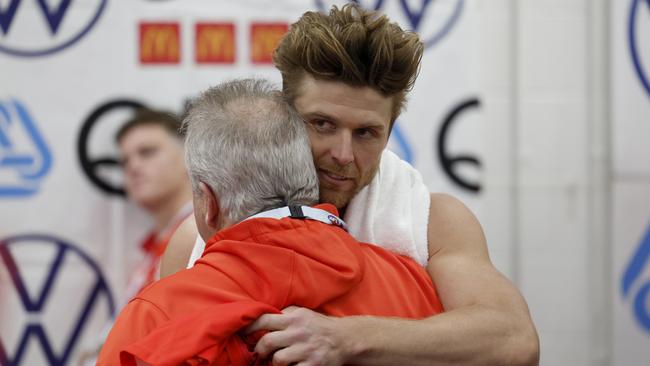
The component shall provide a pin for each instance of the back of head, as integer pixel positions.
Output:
(250, 147)
(351, 45)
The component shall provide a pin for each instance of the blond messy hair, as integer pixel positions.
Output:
(358, 47)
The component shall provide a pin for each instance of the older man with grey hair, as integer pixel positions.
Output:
(244, 142)
(254, 181)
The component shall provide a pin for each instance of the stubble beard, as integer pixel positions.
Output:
(341, 199)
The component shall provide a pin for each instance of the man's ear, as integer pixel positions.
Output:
(211, 201)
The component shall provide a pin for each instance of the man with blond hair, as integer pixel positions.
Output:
(347, 74)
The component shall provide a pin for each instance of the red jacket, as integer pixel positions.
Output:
(260, 266)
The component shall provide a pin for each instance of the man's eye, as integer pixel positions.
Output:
(366, 133)
(322, 125)
(146, 152)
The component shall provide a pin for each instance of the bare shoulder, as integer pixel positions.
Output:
(459, 262)
(179, 248)
(453, 228)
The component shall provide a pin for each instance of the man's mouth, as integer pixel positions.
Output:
(334, 176)
(334, 180)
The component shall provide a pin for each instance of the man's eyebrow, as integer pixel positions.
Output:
(322, 115)
(146, 147)
(376, 125)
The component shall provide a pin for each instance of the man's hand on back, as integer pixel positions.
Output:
(302, 337)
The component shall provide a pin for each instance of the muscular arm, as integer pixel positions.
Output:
(179, 248)
(486, 320)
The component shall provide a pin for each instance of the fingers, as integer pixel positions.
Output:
(273, 341)
(290, 309)
(268, 322)
(284, 332)
(291, 355)
(278, 336)
(304, 355)
(298, 337)
(273, 322)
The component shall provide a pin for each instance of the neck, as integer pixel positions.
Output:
(166, 210)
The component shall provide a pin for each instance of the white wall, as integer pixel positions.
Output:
(630, 30)
(543, 77)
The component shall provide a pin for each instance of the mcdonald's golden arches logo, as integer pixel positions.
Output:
(160, 43)
(264, 38)
(215, 43)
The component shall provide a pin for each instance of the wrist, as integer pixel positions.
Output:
(355, 337)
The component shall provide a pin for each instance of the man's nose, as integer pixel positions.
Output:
(342, 150)
(131, 166)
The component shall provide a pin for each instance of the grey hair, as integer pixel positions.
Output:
(252, 148)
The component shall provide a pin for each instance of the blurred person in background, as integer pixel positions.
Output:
(151, 153)
(347, 75)
(155, 179)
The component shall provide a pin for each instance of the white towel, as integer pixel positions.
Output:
(393, 210)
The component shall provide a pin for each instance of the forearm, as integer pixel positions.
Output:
(472, 335)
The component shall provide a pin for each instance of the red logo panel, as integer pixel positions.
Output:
(160, 43)
(264, 39)
(215, 43)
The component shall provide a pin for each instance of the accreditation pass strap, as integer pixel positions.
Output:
(302, 212)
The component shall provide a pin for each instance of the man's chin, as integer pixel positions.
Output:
(146, 201)
(338, 199)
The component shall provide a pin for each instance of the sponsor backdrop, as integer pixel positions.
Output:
(72, 71)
